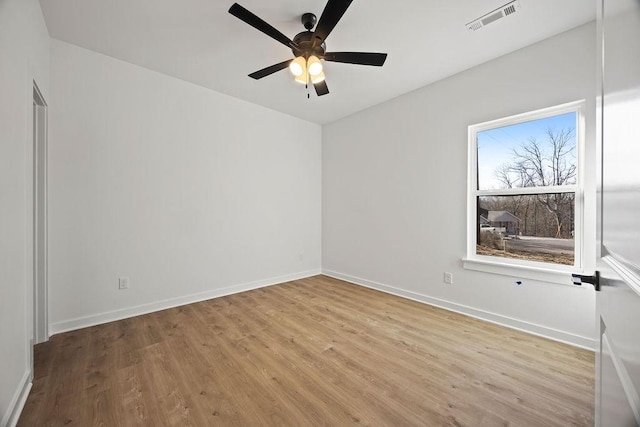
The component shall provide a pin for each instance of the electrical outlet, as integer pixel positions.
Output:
(448, 278)
(123, 283)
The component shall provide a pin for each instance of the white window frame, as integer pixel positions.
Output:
(549, 272)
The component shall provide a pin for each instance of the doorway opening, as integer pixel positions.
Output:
(40, 293)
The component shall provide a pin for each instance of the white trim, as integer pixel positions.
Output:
(10, 418)
(110, 316)
(560, 274)
(542, 113)
(518, 191)
(498, 319)
(15, 408)
(513, 266)
(629, 276)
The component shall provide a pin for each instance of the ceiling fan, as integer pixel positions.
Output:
(309, 47)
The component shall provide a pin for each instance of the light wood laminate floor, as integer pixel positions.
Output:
(316, 351)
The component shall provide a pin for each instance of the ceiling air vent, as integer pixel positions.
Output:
(509, 10)
(486, 19)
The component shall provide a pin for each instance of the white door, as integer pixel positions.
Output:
(618, 302)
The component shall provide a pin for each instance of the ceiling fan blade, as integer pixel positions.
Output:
(321, 88)
(331, 14)
(259, 24)
(360, 58)
(270, 70)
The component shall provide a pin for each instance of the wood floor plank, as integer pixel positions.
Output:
(316, 351)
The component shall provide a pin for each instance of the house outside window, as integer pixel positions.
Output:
(525, 190)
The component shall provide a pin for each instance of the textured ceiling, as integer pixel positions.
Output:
(200, 42)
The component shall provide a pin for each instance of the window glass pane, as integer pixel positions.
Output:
(538, 227)
(537, 153)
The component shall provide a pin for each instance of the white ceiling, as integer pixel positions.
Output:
(200, 42)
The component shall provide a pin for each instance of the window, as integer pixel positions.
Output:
(525, 190)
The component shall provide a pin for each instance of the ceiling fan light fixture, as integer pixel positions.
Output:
(317, 78)
(298, 67)
(314, 66)
(302, 79)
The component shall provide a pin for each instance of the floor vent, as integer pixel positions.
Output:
(486, 19)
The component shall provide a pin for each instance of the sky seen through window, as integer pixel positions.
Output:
(496, 146)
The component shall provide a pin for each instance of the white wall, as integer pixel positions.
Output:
(24, 56)
(394, 188)
(188, 192)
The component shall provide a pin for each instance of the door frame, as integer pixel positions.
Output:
(40, 217)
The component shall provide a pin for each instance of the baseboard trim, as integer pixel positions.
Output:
(520, 325)
(111, 316)
(10, 418)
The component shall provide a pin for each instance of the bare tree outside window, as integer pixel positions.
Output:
(544, 164)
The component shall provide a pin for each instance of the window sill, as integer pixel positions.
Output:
(559, 274)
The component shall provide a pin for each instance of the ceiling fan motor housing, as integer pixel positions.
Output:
(306, 46)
